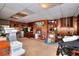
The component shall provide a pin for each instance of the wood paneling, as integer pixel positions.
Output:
(4, 22)
(65, 30)
(18, 25)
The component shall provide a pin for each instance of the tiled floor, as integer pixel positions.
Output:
(38, 48)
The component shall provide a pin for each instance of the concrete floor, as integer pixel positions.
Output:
(38, 48)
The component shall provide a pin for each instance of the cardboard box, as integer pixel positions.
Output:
(4, 48)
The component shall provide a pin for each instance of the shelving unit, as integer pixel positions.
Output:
(52, 30)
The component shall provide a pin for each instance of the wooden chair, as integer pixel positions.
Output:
(75, 52)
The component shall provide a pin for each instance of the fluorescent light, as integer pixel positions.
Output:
(15, 17)
(21, 14)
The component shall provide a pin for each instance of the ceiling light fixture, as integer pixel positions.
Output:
(19, 15)
(44, 5)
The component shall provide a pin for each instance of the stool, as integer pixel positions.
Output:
(74, 52)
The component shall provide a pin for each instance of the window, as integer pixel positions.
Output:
(63, 22)
(67, 22)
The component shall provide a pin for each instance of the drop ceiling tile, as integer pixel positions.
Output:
(17, 6)
(77, 12)
(6, 13)
(35, 12)
(1, 5)
(35, 7)
(11, 9)
(55, 12)
(28, 11)
(69, 9)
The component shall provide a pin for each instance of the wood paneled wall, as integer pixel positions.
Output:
(60, 30)
(64, 30)
(18, 25)
(4, 22)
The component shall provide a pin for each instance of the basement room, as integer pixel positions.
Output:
(39, 29)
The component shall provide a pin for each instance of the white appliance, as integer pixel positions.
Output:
(16, 46)
(36, 36)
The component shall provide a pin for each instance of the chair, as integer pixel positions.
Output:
(75, 52)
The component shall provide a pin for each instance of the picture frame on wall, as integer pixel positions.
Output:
(39, 24)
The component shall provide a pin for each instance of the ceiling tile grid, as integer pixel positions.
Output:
(35, 11)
